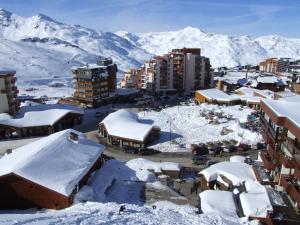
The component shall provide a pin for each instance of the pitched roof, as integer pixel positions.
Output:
(55, 162)
(39, 115)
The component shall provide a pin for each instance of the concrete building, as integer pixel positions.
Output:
(8, 92)
(94, 82)
(281, 131)
(269, 65)
(178, 72)
(132, 79)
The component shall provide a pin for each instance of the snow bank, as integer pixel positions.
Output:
(218, 202)
(235, 171)
(143, 166)
(237, 158)
(184, 125)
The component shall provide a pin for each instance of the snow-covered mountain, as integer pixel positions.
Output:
(41, 47)
(223, 50)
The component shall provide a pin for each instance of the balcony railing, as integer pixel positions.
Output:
(291, 188)
(274, 152)
(286, 161)
(297, 174)
(268, 164)
(292, 146)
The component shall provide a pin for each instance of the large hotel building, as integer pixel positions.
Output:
(94, 82)
(180, 71)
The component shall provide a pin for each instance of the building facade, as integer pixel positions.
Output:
(8, 92)
(132, 79)
(180, 71)
(94, 82)
(269, 65)
(281, 132)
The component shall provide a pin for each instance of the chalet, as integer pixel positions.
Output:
(49, 172)
(123, 128)
(40, 120)
(214, 95)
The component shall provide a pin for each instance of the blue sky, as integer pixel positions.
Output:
(243, 17)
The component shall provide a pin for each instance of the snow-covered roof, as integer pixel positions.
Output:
(237, 158)
(216, 94)
(218, 202)
(286, 109)
(55, 162)
(125, 124)
(255, 202)
(38, 118)
(236, 172)
(267, 79)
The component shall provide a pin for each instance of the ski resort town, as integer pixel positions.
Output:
(174, 139)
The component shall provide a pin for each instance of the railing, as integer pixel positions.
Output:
(292, 146)
(297, 173)
(286, 161)
(267, 161)
(273, 151)
(291, 188)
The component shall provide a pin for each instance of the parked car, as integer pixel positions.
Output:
(211, 162)
(199, 159)
(248, 160)
(128, 149)
(230, 148)
(115, 142)
(146, 151)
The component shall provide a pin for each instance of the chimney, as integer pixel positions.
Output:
(73, 137)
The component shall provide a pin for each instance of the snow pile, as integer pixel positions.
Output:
(55, 162)
(236, 172)
(107, 213)
(255, 202)
(184, 125)
(210, 203)
(237, 158)
(125, 124)
(143, 166)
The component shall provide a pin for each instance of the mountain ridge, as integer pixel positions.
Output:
(35, 41)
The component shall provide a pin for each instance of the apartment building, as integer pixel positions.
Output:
(132, 79)
(180, 71)
(94, 82)
(111, 69)
(8, 92)
(281, 131)
(269, 65)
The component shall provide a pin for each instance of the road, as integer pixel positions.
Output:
(183, 158)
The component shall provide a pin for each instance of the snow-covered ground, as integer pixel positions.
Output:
(184, 125)
(107, 190)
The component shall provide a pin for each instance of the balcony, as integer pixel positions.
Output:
(297, 173)
(292, 146)
(273, 151)
(291, 188)
(268, 164)
(287, 162)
